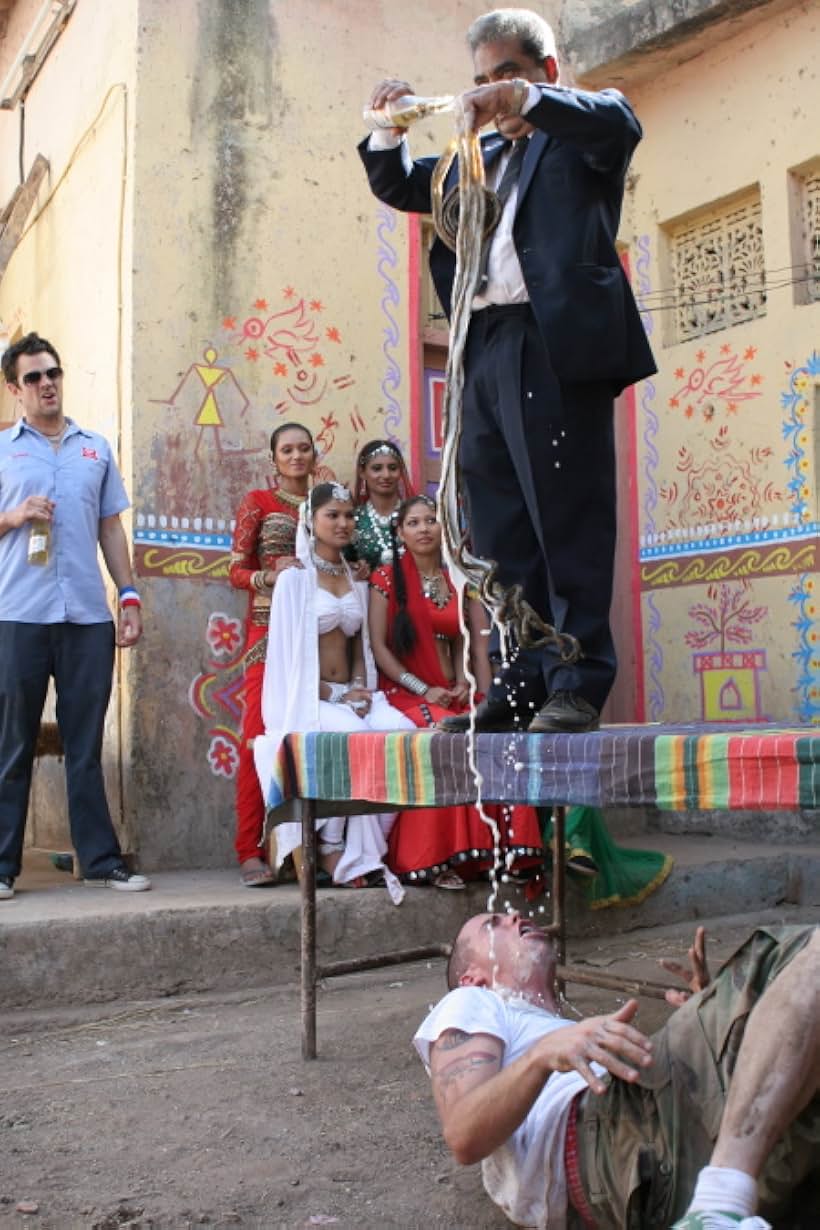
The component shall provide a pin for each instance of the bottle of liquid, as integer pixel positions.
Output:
(39, 542)
(404, 111)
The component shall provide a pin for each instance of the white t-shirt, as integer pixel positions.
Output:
(526, 1176)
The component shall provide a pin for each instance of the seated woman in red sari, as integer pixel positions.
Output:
(418, 647)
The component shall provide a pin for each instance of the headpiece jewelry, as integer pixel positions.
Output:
(382, 448)
(340, 492)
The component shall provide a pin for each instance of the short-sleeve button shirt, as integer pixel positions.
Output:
(82, 479)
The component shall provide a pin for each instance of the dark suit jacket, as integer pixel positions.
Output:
(569, 205)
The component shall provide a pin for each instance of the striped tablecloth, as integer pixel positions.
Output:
(675, 768)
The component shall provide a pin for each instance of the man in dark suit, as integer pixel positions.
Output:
(554, 336)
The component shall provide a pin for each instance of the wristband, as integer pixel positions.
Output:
(129, 597)
(412, 683)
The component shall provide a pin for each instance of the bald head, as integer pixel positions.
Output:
(461, 956)
(503, 950)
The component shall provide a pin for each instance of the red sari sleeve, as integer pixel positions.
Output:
(245, 545)
(382, 580)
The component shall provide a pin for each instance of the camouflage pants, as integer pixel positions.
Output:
(641, 1146)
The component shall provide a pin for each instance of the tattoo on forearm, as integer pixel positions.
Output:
(454, 1071)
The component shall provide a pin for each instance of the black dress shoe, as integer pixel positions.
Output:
(564, 713)
(491, 715)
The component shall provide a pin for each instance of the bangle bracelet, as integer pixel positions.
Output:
(412, 683)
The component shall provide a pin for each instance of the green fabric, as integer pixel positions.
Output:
(625, 876)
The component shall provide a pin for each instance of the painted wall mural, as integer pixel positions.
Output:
(718, 383)
(283, 358)
(215, 694)
(386, 263)
(728, 670)
(648, 429)
(731, 508)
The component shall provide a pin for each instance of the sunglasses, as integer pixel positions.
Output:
(53, 374)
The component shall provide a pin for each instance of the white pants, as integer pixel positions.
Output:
(364, 837)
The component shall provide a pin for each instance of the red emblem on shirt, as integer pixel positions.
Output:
(92, 453)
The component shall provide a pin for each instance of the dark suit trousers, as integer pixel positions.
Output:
(538, 464)
(81, 659)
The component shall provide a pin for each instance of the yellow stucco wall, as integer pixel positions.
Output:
(268, 285)
(728, 570)
(69, 277)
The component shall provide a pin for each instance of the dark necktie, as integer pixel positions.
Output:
(508, 181)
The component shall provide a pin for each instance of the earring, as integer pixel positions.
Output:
(362, 486)
(274, 467)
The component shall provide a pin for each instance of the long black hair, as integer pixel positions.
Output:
(404, 633)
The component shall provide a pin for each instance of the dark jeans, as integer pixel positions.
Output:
(538, 463)
(81, 659)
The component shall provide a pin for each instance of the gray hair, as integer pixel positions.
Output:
(534, 33)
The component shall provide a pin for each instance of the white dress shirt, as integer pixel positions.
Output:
(505, 280)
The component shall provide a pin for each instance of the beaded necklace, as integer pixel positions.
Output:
(375, 542)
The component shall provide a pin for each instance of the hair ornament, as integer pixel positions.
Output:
(340, 492)
(384, 447)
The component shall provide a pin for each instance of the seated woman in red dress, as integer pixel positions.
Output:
(418, 646)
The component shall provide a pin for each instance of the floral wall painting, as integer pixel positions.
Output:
(727, 667)
(215, 694)
(729, 485)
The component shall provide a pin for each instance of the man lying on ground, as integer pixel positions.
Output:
(593, 1124)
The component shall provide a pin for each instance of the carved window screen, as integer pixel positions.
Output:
(717, 268)
(811, 232)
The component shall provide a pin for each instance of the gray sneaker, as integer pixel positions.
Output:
(6, 888)
(123, 880)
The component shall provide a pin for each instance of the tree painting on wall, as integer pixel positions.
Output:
(729, 671)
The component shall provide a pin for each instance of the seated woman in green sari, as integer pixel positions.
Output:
(616, 875)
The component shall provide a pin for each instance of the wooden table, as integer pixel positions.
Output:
(675, 768)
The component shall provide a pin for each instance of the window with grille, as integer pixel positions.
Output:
(806, 232)
(717, 268)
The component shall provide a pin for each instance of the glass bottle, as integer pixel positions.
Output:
(39, 542)
(404, 111)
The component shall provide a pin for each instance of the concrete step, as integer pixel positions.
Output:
(774, 828)
(711, 877)
(62, 943)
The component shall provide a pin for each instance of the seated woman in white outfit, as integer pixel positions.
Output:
(320, 675)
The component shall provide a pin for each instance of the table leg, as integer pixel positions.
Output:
(308, 892)
(559, 922)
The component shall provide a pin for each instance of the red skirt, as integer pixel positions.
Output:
(426, 841)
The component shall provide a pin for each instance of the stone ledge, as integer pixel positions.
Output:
(639, 40)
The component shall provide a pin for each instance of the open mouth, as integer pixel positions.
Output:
(529, 928)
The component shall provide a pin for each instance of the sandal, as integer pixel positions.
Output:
(372, 879)
(448, 879)
(256, 874)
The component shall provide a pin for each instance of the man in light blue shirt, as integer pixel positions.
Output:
(60, 497)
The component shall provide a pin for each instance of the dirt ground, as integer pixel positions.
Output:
(200, 1111)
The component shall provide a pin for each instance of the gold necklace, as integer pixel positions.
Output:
(289, 498)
